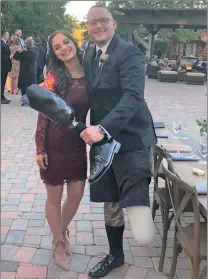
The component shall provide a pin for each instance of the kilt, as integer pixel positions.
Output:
(127, 180)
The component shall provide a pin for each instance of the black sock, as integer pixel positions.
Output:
(115, 240)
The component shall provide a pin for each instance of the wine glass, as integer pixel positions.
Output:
(176, 127)
(203, 149)
(185, 129)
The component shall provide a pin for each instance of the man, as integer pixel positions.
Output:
(115, 81)
(6, 64)
(18, 33)
(41, 62)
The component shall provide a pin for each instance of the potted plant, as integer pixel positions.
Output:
(202, 123)
(203, 141)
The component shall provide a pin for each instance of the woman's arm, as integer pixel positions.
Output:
(40, 135)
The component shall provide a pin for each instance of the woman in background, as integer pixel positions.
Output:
(14, 74)
(28, 66)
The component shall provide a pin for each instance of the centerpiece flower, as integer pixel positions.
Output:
(202, 123)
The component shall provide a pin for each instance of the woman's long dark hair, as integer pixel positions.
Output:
(62, 75)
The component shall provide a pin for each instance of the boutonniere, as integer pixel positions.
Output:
(103, 59)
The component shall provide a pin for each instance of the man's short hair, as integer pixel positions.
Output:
(101, 6)
(37, 40)
(29, 43)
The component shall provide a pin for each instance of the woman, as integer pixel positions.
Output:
(61, 153)
(14, 74)
(28, 66)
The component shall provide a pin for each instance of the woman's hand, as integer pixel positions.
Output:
(42, 161)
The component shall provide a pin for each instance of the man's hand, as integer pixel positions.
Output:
(92, 135)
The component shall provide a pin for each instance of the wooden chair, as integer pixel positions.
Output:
(204, 273)
(161, 199)
(192, 238)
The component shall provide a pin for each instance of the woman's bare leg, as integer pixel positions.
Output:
(75, 192)
(53, 214)
(14, 85)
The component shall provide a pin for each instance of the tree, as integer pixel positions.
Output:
(86, 37)
(166, 34)
(35, 17)
(155, 4)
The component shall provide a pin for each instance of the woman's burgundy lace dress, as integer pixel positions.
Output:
(67, 160)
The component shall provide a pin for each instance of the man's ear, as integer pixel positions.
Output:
(87, 27)
(115, 23)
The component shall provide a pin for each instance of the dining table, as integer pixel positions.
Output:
(184, 169)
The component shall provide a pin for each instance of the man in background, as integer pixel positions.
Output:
(18, 33)
(41, 61)
(6, 64)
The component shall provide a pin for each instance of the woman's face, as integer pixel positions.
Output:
(63, 48)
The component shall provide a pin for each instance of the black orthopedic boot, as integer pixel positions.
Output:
(116, 256)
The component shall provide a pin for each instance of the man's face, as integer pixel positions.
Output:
(100, 25)
(19, 33)
(6, 36)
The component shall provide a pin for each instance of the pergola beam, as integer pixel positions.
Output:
(156, 19)
(165, 18)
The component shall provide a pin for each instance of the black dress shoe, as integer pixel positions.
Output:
(9, 101)
(50, 104)
(4, 102)
(102, 158)
(103, 267)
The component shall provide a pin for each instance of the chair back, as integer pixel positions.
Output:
(160, 155)
(181, 196)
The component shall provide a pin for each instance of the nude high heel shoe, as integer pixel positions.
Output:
(62, 264)
(67, 241)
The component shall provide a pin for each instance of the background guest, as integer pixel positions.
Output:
(41, 61)
(18, 33)
(6, 63)
(28, 65)
(13, 76)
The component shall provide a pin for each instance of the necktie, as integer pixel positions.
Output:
(97, 60)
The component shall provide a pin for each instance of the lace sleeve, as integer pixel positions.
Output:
(41, 130)
(40, 135)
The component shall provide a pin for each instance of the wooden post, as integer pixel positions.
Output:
(152, 46)
(130, 31)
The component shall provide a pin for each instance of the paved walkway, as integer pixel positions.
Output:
(25, 236)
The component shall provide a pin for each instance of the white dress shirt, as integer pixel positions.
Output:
(104, 48)
(4, 41)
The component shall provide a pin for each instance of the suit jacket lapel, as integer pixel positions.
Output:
(90, 72)
(109, 51)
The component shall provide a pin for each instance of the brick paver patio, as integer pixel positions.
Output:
(25, 236)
